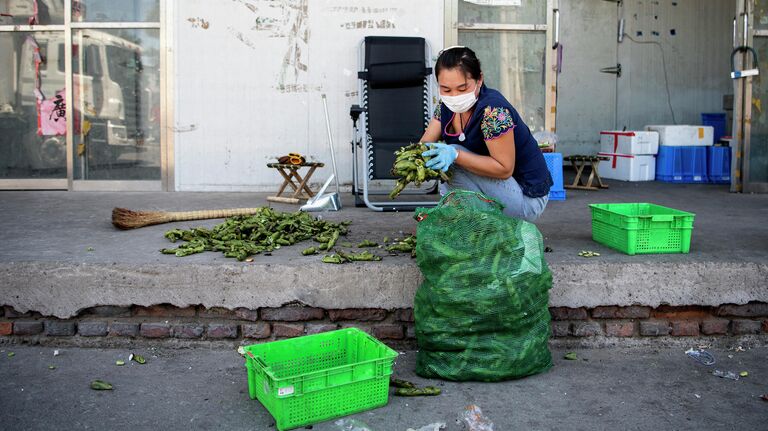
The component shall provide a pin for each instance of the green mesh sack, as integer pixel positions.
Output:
(482, 311)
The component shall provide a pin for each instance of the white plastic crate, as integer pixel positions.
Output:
(684, 136)
(629, 142)
(628, 167)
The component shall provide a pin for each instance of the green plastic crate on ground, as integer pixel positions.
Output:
(306, 380)
(642, 228)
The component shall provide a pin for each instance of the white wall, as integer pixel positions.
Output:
(249, 75)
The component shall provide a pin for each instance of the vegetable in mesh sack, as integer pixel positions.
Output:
(482, 310)
(410, 167)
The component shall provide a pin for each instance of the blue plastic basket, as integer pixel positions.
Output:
(682, 164)
(555, 166)
(719, 165)
(717, 121)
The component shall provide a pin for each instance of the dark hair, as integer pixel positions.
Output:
(461, 57)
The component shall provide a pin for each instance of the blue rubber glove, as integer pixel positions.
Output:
(442, 156)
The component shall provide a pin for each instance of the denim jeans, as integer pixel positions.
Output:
(508, 192)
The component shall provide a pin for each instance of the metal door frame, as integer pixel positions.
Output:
(550, 28)
(166, 181)
(744, 33)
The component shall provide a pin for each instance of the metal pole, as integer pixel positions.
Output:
(330, 143)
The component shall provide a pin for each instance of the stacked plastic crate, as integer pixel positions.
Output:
(555, 166)
(683, 152)
(631, 155)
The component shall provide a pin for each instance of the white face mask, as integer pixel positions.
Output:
(461, 103)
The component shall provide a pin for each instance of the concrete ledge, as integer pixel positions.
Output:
(63, 289)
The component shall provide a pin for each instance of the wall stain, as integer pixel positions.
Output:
(249, 5)
(199, 22)
(368, 24)
(361, 9)
(241, 37)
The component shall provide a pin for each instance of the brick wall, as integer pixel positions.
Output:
(199, 323)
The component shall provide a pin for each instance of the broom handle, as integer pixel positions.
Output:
(207, 214)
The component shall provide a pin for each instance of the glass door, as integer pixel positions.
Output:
(516, 41)
(750, 116)
(106, 58)
(116, 89)
(32, 130)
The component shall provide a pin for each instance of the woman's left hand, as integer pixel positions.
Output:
(442, 156)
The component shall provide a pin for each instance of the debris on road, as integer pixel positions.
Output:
(474, 419)
(571, 356)
(119, 363)
(437, 426)
(352, 425)
(701, 356)
(725, 374)
(101, 385)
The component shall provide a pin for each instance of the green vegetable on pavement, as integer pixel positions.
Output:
(427, 391)
(137, 358)
(342, 257)
(119, 362)
(309, 251)
(571, 356)
(101, 385)
(240, 237)
(51, 367)
(410, 167)
(407, 245)
(397, 383)
(11, 354)
(586, 253)
(367, 243)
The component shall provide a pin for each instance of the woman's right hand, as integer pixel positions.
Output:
(442, 156)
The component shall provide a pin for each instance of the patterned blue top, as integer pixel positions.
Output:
(493, 117)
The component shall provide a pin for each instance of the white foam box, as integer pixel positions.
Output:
(684, 136)
(628, 167)
(629, 142)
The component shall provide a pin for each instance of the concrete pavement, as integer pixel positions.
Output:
(642, 388)
(60, 254)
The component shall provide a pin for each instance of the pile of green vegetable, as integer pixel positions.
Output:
(243, 236)
(407, 245)
(410, 167)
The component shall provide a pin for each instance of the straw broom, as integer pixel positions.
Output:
(124, 218)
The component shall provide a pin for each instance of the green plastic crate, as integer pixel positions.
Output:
(306, 380)
(642, 228)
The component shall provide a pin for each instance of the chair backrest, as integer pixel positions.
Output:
(395, 97)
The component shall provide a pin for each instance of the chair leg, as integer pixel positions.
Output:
(597, 175)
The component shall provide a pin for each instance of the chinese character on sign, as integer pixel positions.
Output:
(53, 116)
(59, 109)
